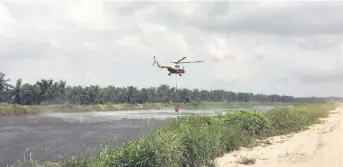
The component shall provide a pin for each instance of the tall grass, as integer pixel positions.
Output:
(196, 140)
(286, 120)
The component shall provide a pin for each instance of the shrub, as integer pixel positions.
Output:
(255, 123)
(205, 137)
(157, 151)
(285, 120)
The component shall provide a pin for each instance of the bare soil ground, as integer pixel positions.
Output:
(319, 146)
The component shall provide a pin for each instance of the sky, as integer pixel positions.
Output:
(286, 48)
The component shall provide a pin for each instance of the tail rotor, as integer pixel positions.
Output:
(154, 61)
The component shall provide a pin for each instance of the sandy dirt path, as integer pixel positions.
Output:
(319, 146)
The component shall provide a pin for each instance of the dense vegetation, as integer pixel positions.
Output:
(196, 140)
(57, 92)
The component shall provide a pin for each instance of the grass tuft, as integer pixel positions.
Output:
(246, 160)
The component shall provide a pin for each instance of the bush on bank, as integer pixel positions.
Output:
(286, 120)
(197, 140)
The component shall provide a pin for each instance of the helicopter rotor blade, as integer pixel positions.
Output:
(177, 62)
(191, 62)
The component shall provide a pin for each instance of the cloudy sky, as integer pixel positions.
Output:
(267, 47)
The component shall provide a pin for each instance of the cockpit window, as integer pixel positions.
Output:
(177, 66)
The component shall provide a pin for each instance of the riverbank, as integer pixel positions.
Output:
(13, 109)
(197, 140)
(320, 145)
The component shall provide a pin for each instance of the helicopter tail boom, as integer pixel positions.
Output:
(158, 65)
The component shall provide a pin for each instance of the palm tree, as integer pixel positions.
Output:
(16, 91)
(4, 87)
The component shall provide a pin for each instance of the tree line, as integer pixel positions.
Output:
(48, 91)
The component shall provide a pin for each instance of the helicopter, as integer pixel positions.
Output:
(176, 68)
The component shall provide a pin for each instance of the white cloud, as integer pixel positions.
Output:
(6, 20)
(272, 47)
(88, 15)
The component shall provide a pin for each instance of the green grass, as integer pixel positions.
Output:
(13, 109)
(196, 140)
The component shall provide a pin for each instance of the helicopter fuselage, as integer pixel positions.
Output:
(176, 70)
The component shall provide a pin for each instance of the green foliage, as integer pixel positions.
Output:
(29, 162)
(285, 120)
(255, 123)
